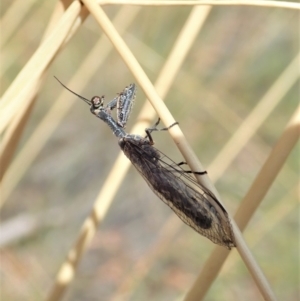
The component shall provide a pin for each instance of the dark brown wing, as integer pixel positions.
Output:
(195, 205)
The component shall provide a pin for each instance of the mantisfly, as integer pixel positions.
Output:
(193, 203)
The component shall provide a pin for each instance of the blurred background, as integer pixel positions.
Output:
(238, 56)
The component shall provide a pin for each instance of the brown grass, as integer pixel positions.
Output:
(230, 74)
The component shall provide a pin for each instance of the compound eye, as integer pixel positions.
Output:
(97, 102)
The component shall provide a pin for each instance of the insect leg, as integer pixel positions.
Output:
(124, 104)
(156, 123)
(111, 105)
(154, 128)
(189, 171)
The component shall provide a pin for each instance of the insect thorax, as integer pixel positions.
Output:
(138, 145)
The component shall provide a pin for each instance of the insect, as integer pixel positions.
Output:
(194, 204)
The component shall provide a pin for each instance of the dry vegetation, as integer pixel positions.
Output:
(228, 74)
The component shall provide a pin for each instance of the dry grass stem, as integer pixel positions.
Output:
(142, 266)
(10, 23)
(29, 86)
(175, 132)
(256, 118)
(278, 4)
(27, 78)
(249, 204)
(263, 229)
(12, 136)
(19, 98)
(149, 90)
(121, 165)
(58, 111)
(253, 266)
(269, 171)
(16, 127)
